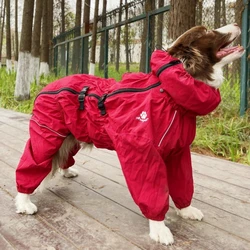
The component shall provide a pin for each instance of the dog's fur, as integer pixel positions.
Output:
(203, 53)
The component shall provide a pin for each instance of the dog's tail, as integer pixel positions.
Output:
(61, 157)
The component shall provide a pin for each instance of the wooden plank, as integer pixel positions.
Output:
(4, 244)
(221, 164)
(218, 185)
(188, 234)
(17, 230)
(74, 225)
(100, 193)
(241, 181)
(120, 194)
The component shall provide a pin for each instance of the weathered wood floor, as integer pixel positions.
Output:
(95, 210)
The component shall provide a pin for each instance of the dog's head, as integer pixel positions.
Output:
(200, 49)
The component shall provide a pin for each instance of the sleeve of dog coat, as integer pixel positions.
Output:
(145, 174)
(191, 94)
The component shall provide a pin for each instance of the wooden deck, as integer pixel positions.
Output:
(95, 210)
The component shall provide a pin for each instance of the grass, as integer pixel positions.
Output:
(222, 133)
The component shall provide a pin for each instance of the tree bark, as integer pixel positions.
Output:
(148, 7)
(217, 14)
(22, 88)
(94, 33)
(50, 31)
(76, 44)
(159, 26)
(118, 39)
(8, 38)
(101, 60)
(181, 17)
(86, 15)
(35, 47)
(16, 35)
(44, 65)
(2, 19)
(126, 33)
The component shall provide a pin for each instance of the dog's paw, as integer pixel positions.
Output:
(70, 173)
(190, 212)
(160, 233)
(24, 205)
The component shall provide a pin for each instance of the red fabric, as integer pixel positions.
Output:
(151, 131)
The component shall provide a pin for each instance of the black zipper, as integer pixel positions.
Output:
(119, 91)
(128, 90)
(54, 92)
(101, 99)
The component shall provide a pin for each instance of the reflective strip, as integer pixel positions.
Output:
(168, 128)
(43, 126)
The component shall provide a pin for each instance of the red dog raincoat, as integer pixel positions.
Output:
(149, 119)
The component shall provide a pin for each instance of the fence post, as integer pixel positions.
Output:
(67, 59)
(55, 58)
(148, 43)
(106, 52)
(244, 79)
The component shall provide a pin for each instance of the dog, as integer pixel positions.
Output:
(81, 110)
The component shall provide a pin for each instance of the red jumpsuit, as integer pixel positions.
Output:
(149, 119)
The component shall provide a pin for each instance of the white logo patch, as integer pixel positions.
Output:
(143, 116)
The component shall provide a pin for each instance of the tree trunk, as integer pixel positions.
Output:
(93, 47)
(239, 7)
(86, 15)
(118, 39)
(77, 43)
(62, 47)
(50, 32)
(35, 48)
(44, 65)
(2, 29)
(181, 17)
(217, 13)
(159, 27)
(102, 45)
(224, 22)
(16, 36)
(126, 34)
(22, 88)
(145, 36)
(199, 11)
(8, 38)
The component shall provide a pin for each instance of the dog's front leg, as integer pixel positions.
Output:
(160, 233)
(24, 205)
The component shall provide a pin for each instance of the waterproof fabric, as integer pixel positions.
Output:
(149, 119)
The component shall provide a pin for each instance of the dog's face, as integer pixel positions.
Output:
(200, 49)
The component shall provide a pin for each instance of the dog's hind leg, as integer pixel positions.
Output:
(63, 159)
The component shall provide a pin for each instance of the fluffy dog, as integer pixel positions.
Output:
(149, 119)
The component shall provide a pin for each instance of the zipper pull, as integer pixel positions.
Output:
(81, 97)
(101, 105)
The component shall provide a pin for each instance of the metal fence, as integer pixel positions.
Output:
(116, 55)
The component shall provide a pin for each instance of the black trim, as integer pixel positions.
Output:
(170, 64)
(101, 99)
(54, 92)
(129, 90)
